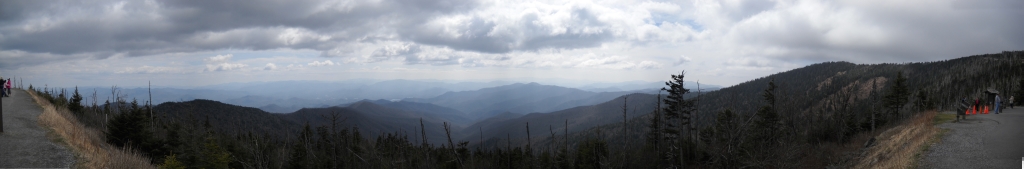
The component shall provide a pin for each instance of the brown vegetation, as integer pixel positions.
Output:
(900, 146)
(90, 149)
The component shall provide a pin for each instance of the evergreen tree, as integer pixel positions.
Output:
(767, 116)
(300, 150)
(172, 141)
(1020, 92)
(590, 153)
(562, 157)
(546, 160)
(921, 101)
(766, 125)
(678, 114)
(898, 94)
(723, 125)
(677, 110)
(214, 156)
(76, 102)
(130, 129)
(171, 162)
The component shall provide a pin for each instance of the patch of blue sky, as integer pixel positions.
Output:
(659, 19)
(693, 24)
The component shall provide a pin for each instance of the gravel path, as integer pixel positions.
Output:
(980, 141)
(24, 143)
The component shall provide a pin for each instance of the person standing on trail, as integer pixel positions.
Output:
(1011, 102)
(976, 103)
(997, 104)
(3, 93)
(961, 111)
(8, 85)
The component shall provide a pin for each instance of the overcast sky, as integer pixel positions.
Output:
(724, 42)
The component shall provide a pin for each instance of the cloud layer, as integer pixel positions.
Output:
(558, 34)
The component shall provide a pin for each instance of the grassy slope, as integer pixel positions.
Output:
(90, 149)
(902, 145)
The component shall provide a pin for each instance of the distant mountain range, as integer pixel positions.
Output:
(290, 96)
(578, 118)
(370, 118)
(519, 98)
(374, 117)
(640, 85)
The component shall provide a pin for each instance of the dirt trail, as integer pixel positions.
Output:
(24, 143)
(981, 141)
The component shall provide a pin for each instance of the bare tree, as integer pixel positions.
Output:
(481, 137)
(553, 141)
(529, 148)
(152, 121)
(447, 131)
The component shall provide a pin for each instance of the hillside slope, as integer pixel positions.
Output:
(579, 118)
(823, 91)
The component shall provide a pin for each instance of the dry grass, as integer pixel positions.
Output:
(90, 149)
(900, 146)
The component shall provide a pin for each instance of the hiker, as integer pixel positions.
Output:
(998, 102)
(1011, 102)
(8, 85)
(3, 93)
(961, 111)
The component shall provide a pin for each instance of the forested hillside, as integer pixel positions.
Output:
(576, 119)
(820, 103)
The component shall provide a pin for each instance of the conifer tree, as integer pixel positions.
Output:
(171, 162)
(678, 117)
(130, 128)
(1020, 92)
(767, 116)
(301, 149)
(76, 102)
(214, 156)
(898, 94)
(590, 153)
(921, 101)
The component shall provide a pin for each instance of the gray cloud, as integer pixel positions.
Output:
(139, 28)
(584, 29)
(471, 33)
(812, 31)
